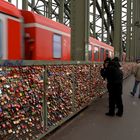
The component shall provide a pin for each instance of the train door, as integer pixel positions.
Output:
(29, 46)
(96, 53)
(10, 41)
(3, 37)
(102, 50)
(14, 38)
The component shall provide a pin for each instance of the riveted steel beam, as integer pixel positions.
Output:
(80, 29)
(25, 4)
(117, 42)
(128, 38)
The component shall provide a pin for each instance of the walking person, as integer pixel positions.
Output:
(114, 77)
(136, 72)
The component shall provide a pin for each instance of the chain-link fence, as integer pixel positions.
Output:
(35, 98)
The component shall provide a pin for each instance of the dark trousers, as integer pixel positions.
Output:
(135, 87)
(115, 98)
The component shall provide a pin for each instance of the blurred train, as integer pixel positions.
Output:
(29, 36)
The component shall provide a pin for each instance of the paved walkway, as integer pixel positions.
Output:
(92, 124)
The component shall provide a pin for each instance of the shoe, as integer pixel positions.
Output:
(132, 93)
(139, 96)
(119, 114)
(109, 114)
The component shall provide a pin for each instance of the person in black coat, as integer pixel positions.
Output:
(114, 77)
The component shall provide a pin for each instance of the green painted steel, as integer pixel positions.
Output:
(50, 9)
(25, 4)
(137, 24)
(103, 12)
(108, 24)
(94, 18)
(117, 29)
(61, 11)
(129, 38)
(33, 4)
(80, 29)
(136, 29)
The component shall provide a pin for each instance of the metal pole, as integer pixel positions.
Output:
(25, 4)
(134, 29)
(87, 29)
(45, 118)
(94, 18)
(117, 42)
(137, 40)
(61, 11)
(73, 92)
(33, 5)
(45, 10)
(102, 21)
(128, 38)
(50, 9)
(108, 24)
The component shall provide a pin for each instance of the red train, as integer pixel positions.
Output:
(26, 35)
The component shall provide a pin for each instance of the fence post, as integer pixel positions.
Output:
(45, 112)
(73, 91)
(90, 76)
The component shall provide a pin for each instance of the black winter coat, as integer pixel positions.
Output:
(112, 73)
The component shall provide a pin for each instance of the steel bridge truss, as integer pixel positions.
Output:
(101, 16)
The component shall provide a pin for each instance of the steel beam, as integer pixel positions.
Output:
(94, 18)
(80, 29)
(102, 38)
(50, 9)
(25, 4)
(138, 29)
(33, 5)
(61, 11)
(117, 42)
(109, 19)
(128, 38)
(134, 50)
(105, 23)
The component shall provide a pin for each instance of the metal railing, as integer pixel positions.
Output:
(36, 97)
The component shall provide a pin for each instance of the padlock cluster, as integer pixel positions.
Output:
(59, 93)
(99, 87)
(82, 86)
(68, 88)
(20, 102)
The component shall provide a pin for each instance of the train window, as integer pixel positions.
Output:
(107, 53)
(57, 46)
(96, 53)
(0, 39)
(101, 54)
